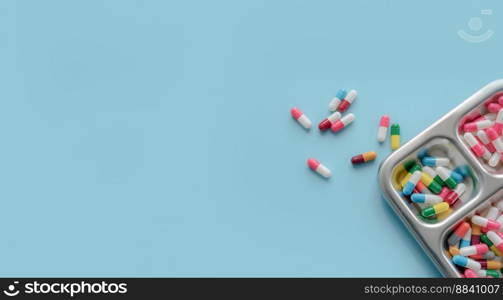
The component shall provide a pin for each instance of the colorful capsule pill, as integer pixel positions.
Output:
(336, 101)
(498, 122)
(422, 153)
(316, 166)
(458, 234)
(484, 222)
(489, 264)
(465, 241)
(421, 188)
(445, 175)
(475, 145)
(435, 209)
(342, 123)
(493, 107)
(303, 120)
(411, 184)
(470, 274)
(346, 102)
(363, 158)
(473, 250)
(433, 174)
(484, 239)
(495, 139)
(499, 205)
(475, 234)
(383, 128)
(463, 171)
(454, 250)
(488, 273)
(466, 262)
(430, 183)
(454, 195)
(489, 255)
(478, 125)
(492, 213)
(482, 135)
(395, 136)
(496, 240)
(327, 123)
(425, 198)
(431, 161)
(445, 192)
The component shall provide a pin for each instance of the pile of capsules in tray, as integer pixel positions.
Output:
(336, 121)
(476, 245)
(482, 132)
(432, 183)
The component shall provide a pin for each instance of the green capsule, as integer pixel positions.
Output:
(439, 180)
(484, 239)
(492, 273)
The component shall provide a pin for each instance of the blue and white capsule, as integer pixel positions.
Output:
(336, 101)
(423, 153)
(409, 186)
(429, 199)
(432, 161)
(466, 262)
(464, 171)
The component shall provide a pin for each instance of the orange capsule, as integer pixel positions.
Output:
(363, 158)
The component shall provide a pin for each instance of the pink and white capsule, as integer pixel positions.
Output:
(490, 116)
(499, 205)
(485, 222)
(470, 274)
(474, 126)
(303, 120)
(383, 128)
(346, 102)
(342, 123)
(496, 239)
(482, 135)
(498, 123)
(493, 107)
(475, 146)
(492, 213)
(473, 250)
(316, 166)
(495, 139)
(494, 160)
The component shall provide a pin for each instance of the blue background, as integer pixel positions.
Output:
(153, 138)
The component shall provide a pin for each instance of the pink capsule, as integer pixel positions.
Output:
(303, 120)
(484, 222)
(489, 116)
(474, 126)
(493, 107)
(498, 123)
(342, 123)
(482, 135)
(346, 102)
(500, 100)
(470, 274)
(316, 166)
(473, 250)
(383, 128)
(496, 239)
(494, 137)
(475, 145)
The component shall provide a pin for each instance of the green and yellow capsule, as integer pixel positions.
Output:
(395, 136)
(410, 166)
(435, 209)
(434, 175)
(431, 184)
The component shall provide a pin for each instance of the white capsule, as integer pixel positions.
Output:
(494, 160)
(470, 139)
(499, 205)
(483, 137)
(492, 213)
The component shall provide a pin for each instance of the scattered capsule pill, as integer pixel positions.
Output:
(346, 102)
(493, 107)
(488, 273)
(435, 161)
(475, 234)
(474, 126)
(411, 184)
(458, 234)
(482, 135)
(490, 264)
(433, 174)
(303, 120)
(383, 128)
(445, 175)
(316, 166)
(343, 122)
(465, 241)
(475, 146)
(470, 274)
(496, 240)
(395, 136)
(484, 222)
(454, 195)
(431, 184)
(426, 198)
(473, 250)
(363, 158)
(336, 101)
(435, 209)
(327, 123)
(466, 262)
(494, 137)
(498, 122)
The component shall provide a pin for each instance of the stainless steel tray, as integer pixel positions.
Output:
(487, 187)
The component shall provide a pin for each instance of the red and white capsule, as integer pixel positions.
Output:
(485, 222)
(346, 102)
(316, 166)
(303, 120)
(473, 250)
(482, 135)
(342, 123)
(477, 125)
(495, 139)
(327, 123)
(498, 123)
(454, 195)
(383, 128)
(478, 149)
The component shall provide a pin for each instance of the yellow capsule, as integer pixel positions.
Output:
(493, 265)
(454, 250)
(444, 215)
